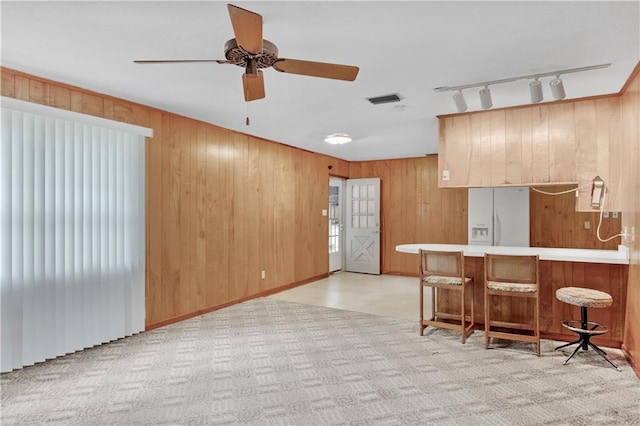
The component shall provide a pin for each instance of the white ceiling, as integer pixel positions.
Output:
(401, 47)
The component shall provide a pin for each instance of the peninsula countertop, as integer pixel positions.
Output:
(620, 256)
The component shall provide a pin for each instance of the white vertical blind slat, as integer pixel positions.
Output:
(49, 248)
(28, 266)
(17, 251)
(59, 225)
(71, 236)
(6, 311)
(69, 223)
(39, 235)
(87, 243)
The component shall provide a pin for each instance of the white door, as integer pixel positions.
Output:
(363, 225)
(336, 223)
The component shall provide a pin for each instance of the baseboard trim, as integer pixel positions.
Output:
(402, 274)
(291, 285)
(269, 292)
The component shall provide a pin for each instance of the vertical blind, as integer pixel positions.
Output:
(72, 232)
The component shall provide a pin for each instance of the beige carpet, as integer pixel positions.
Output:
(274, 362)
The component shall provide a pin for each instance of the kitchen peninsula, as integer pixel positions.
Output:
(604, 270)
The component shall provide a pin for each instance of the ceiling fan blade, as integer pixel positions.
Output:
(316, 69)
(247, 27)
(174, 61)
(253, 85)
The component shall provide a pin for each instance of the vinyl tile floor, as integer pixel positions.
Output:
(388, 295)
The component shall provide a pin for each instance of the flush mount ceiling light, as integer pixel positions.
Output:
(535, 87)
(338, 138)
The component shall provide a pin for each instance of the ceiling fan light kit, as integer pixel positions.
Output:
(249, 50)
(535, 87)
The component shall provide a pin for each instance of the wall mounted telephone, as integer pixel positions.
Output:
(597, 192)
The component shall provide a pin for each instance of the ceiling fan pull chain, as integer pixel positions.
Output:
(247, 122)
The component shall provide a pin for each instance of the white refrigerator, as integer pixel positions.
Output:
(499, 216)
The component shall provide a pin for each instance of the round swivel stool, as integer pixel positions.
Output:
(585, 298)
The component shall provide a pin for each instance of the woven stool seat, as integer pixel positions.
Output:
(584, 297)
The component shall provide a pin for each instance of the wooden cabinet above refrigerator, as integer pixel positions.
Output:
(554, 143)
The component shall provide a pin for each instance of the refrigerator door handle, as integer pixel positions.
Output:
(496, 229)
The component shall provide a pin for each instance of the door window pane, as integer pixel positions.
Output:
(363, 221)
(356, 192)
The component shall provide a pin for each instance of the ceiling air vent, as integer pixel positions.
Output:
(385, 99)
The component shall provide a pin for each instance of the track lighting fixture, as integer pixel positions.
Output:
(557, 88)
(485, 98)
(461, 103)
(535, 87)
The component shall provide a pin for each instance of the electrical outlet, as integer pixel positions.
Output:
(605, 214)
(614, 215)
(445, 175)
(263, 274)
(628, 237)
(587, 225)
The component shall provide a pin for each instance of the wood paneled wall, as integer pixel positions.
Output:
(413, 208)
(221, 206)
(630, 188)
(555, 223)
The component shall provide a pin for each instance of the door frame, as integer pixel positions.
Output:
(342, 183)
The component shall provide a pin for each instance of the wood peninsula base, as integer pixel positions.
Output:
(596, 273)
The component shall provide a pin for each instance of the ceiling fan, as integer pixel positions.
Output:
(250, 51)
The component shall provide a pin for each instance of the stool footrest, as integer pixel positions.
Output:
(576, 326)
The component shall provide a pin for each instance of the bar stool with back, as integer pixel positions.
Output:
(444, 270)
(515, 277)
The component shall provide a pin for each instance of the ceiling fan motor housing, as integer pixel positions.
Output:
(239, 57)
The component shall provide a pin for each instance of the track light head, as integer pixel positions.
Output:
(485, 98)
(461, 103)
(535, 89)
(557, 88)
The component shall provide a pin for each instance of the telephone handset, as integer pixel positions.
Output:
(597, 192)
